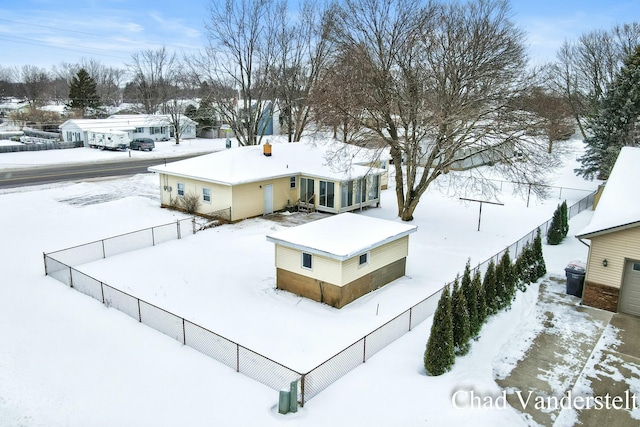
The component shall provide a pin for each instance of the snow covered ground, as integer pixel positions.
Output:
(65, 359)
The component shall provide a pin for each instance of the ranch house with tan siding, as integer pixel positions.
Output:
(259, 180)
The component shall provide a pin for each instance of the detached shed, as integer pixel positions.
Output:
(612, 279)
(338, 259)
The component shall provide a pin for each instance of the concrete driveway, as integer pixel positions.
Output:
(582, 368)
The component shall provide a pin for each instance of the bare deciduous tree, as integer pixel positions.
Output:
(153, 75)
(238, 63)
(438, 85)
(302, 48)
(35, 83)
(585, 67)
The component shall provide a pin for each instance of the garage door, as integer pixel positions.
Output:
(630, 292)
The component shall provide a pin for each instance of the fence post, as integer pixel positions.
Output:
(178, 225)
(193, 224)
(45, 264)
(104, 254)
(364, 349)
(237, 357)
(184, 333)
(139, 312)
(302, 382)
(153, 237)
(71, 277)
(102, 290)
(410, 314)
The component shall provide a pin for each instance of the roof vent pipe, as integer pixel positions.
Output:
(266, 149)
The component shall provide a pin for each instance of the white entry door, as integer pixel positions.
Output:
(630, 292)
(268, 199)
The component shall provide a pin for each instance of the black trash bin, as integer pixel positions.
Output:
(575, 271)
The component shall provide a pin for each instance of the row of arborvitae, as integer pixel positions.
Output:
(559, 225)
(463, 310)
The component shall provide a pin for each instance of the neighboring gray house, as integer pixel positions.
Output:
(154, 126)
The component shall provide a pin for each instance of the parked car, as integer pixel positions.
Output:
(142, 144)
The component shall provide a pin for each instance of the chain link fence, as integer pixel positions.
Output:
(248, 362)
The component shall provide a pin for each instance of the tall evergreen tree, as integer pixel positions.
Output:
(538, 256)
(506, 280)
(613, 126)
(476, 284)
(521, 270)
(564, 214)
(460, 316)
(439, 355)
(82, 92)
(471, 296)
(554, 234)
(490, 292)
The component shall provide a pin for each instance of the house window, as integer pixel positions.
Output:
(327, 194)
(306, 190)
(347, 194)
(180, 189)
(307, 260)
(292, 182)
(636, 266)
(374, 185)
(363, 259)
(361, 195)
(206, 195)
(139, 130)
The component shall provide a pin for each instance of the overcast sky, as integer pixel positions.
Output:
(49, 32)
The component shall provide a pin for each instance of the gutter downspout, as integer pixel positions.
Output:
(583, 242)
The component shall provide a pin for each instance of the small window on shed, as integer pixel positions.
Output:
(636, 266)
(363, 259)
(307, 260)
(292, 182)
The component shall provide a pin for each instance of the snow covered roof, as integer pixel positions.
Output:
(123, 122)
(618, 207)
(249, 164)
(342, 236)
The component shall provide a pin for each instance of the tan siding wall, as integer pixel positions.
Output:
(615, 247)
(378, 258)
(248, 199)
(324, 269)
(220, 194)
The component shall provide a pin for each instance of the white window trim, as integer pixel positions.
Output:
(302, 260)
(364, 264)
(203, 195)
(178, 189)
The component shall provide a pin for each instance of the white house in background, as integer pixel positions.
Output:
(338, 259)
(612, 279)
(258, 180)
(154, 126)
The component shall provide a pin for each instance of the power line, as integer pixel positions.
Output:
(118, 39)
(68, 47)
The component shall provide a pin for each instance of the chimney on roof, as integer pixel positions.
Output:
(266, 149)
